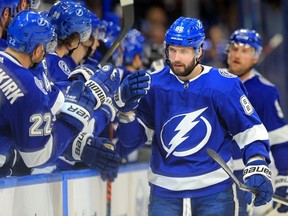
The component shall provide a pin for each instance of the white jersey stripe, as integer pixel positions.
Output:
(279, 135)
(189, 183)
(36, 158)
(256, 133)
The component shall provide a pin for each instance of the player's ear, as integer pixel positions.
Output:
(6, 13)
(256, 59)
(38, 51)
(200, 52)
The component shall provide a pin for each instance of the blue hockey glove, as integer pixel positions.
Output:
(83, 72)
(112, 175)
(95, 152)
(78, 105)
(281, 185)
(7, 161)
(258, 175)
(131, 90)
(104, 83)
(109, 109)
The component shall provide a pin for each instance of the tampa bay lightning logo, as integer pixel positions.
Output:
(226, 73)
(178, 140)
(179, 29)
(79, 12)
(64, 67)
(106, 68)
(41, 21)
(40, 85)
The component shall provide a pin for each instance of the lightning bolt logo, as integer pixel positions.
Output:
(183, 128)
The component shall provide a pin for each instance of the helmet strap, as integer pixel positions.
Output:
(167, 60)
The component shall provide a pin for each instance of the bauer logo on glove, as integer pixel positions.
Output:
(258, 169)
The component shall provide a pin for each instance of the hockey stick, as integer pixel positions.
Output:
(108, 197)
(274, 42)
(109, 183)
(128, 21)
(216, 157)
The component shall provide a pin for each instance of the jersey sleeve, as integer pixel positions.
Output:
(266, 101)
(243, 122)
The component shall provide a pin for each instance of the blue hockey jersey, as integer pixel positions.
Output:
(3, 44)
(28, 115)
(265, 99)
(208, 111)
(58, 70)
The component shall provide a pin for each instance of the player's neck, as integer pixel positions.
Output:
(22, 58)
(196, 71)
(245, 76)
(62, 51)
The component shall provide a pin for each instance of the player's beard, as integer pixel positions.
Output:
(187, 70)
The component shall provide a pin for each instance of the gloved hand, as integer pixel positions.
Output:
(109, 109)
(95, 152)
(258, 175)
(281, 185)
(7, 161)
(104, 83)
(131, 90)
(111, 175)
(78, 105)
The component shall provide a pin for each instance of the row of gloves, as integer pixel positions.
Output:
(99, 88)
(92, 89)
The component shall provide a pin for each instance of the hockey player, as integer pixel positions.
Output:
(7, 10)
(73, 26)
(86, 49)
(244, 51)
(191, 107)
(39, 122)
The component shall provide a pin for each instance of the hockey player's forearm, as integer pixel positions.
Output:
(131, 134)
(251, 150)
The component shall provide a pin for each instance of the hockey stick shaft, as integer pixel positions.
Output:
(217, 158)
(274, 42)
(108, 197)
(109, 183)
(128, 21)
